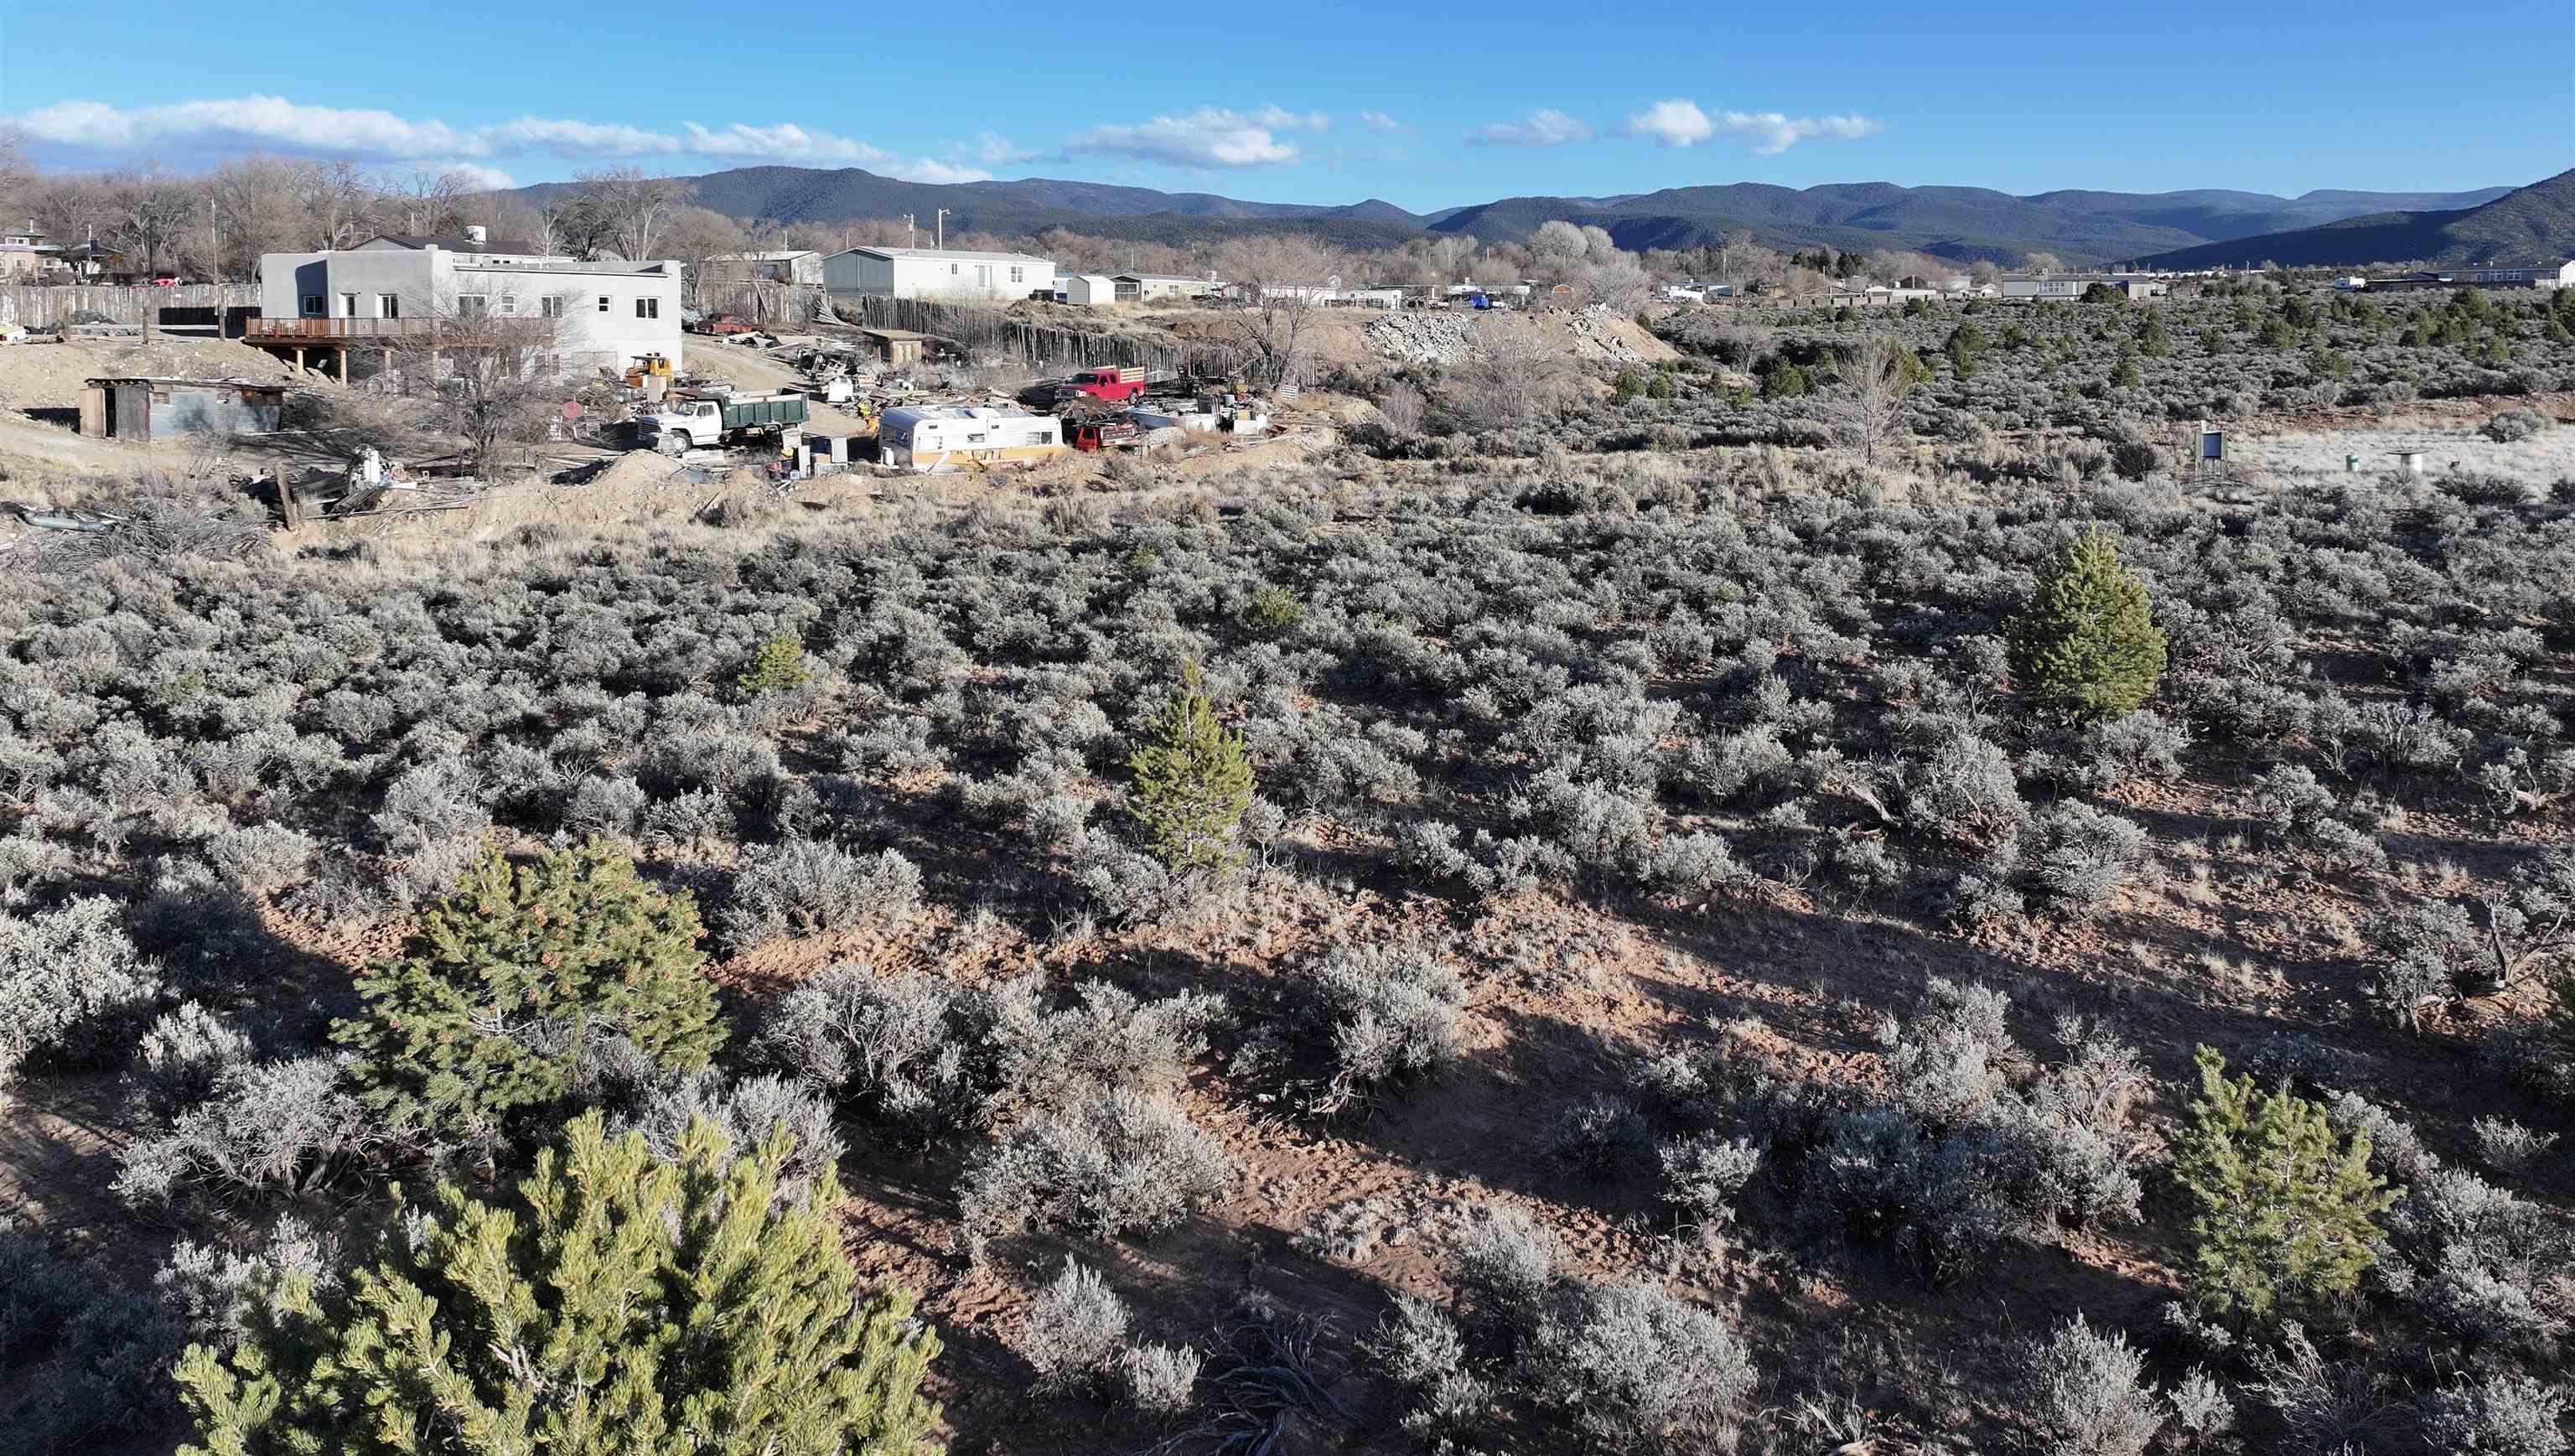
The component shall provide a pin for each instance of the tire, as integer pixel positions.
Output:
(683, 442)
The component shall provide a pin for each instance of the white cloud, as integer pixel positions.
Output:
(581, 138)
(1772, 133)
(381, 136)
(474, 174)
(1279, 118)
(1207, 137)
(1380, 122)
(1674, 123)
(1545, 127)
(993, 146)
(254, 120)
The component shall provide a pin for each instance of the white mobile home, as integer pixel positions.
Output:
(1158, 287)
(399, 285)
(938, 273)
(930, 438)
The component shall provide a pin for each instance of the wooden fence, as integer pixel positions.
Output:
(197, 307)
(982, 331)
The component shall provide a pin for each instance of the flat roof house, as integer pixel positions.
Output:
(2519, 275)
(937, 273)
(398, 287)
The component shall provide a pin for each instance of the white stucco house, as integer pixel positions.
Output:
(398, 286)
(938, 273)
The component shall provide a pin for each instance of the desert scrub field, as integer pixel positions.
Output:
(2119, 373)
(1572, 958)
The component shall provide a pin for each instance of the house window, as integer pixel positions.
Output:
(550, 306)
(471, 305)
(952, 270)
(1016, 278)
(509, 303)
(387, 306)
(313, 306)
(602, 303)
(648, 308)
(348, 306)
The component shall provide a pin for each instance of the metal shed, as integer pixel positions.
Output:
(143, 408)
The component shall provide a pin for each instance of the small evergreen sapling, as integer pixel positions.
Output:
(2286, 1208)
(2087, 647)
(627, 1302)
(507, 984)
(1193, 784)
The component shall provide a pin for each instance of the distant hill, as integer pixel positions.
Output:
(1961, 223)
(2535, 222)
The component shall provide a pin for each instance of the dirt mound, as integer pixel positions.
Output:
(50, 376)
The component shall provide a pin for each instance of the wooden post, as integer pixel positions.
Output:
(286, 499)
(344, 364)
(299, 359)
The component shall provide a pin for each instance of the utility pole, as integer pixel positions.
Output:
(911, 232)
(943, 228)
(214, 250)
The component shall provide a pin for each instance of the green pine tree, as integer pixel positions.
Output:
(505, 984)
(625, 1304)
(778, 668)
(2087, 647)
(2285, 1207)
(1193, 784)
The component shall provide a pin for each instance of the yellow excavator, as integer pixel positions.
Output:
(650, 366)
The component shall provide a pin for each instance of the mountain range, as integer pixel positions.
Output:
(2532, 224)
(1961, 223)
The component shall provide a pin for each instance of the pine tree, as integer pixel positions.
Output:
(506, 984)
(2087, 647)
(1193, 784)
(2285, 1208)
(626, 1303)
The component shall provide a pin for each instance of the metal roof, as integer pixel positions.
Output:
(456, 243)
(949, 255)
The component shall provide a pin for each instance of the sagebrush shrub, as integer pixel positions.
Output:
(1075, 1332)
(2087, 1395)
(74, 984)
(1393, 1014)
(802, 886)
(1423, 1351)
(1109, 1164)
(1634, 1368)
(2499, 1415)
(1161, 1379)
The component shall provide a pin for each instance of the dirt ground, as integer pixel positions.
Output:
(2448, 439)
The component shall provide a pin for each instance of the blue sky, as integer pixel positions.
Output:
(1323, 102)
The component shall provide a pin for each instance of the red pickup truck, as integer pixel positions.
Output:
(1117, 386)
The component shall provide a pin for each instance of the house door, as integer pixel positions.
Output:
(984, 277)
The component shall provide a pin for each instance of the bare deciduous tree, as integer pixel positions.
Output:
(491, 369)
(622, 210)
(1508, 376)
(1279, 279)
(695, 235)
(1870, 415)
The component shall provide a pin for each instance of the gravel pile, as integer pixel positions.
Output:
(1420, 338)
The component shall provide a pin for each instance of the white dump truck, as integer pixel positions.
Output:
(687, 421)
